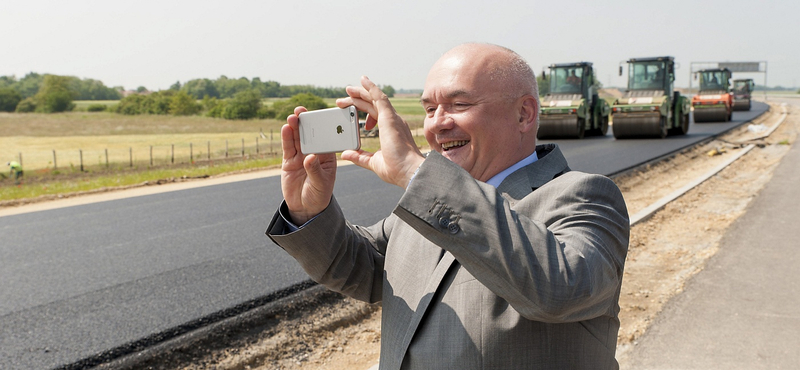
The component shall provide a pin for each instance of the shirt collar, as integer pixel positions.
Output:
(497, 179)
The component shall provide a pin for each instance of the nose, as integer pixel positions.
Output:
(440, 121)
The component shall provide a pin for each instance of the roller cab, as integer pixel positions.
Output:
(572, 108)
(650, 108)
(714, 101)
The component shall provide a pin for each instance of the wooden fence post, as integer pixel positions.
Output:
(151, 156)
(81, 153)
(55, 164)
(191, 154)
(209, 151)
(242, 147)
(130, 154)
(226, 148)
(106, 157)
(172, 160)
(256, 145)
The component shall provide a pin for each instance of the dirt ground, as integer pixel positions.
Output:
(665, 250)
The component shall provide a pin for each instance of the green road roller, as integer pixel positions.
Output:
(741, 93)
(650, 107)
(572, 108)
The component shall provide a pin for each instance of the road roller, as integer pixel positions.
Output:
(741, 93)
(650, 107)
(572, 108)
(714, 101)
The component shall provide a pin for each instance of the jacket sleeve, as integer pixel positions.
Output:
(556, 256)
(345, 258)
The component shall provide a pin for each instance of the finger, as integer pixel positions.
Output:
(359, 157)
(371, 122)
(299, 109)
(360, 98)
(314, 169)
(376, 95)
(287, 142)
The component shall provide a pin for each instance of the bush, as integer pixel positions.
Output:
(183, 104)
(154, 103)
(96, 108)
(9, 98)
(265, 112)
(284, 108)
(244, 105)
(27, 105)
(55, 95)
(131, 104)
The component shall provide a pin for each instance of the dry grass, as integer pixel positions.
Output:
(106, 123)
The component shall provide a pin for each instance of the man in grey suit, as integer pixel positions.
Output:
(497, 256)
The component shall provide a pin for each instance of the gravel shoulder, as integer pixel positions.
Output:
(326, 331)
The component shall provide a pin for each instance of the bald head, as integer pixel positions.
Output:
(495, 66)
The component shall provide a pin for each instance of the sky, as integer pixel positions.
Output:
(332, 43)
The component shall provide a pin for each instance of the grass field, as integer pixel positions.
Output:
(180, 147)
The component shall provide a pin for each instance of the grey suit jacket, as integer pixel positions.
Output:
(525, 276)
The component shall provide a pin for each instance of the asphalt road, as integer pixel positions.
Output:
(84, 280)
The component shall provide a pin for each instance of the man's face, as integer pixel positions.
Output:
(470, 119)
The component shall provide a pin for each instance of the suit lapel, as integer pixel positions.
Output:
(431, 287)
(551, 164)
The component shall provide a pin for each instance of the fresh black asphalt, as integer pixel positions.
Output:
(83, 280)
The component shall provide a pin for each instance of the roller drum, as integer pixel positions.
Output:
(711, 114)
(741, 104)
(563, 127)
(638, 125)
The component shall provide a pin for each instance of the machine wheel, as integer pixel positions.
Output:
(603, 130)
(581, 128)
(663, 128)
(683, 128)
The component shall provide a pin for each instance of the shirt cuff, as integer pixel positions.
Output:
(290, 226)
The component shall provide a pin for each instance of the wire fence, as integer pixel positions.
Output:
(149, 155)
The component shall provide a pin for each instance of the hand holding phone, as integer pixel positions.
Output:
(329, 130)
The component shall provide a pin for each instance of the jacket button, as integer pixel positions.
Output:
(444, 222)
(453, 227)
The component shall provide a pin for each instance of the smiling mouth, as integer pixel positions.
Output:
(454, 144)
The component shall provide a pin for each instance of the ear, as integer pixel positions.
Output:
(528, 113)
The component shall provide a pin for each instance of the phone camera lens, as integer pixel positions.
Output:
(352, 114)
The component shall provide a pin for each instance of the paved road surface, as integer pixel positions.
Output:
(82, 280)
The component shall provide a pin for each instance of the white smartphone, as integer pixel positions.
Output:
(329, 130)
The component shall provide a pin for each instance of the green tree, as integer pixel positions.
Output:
(183, 104)
(213, 106)
(9, 98)
(228, 88)
(141, 89)
(27, 105)
(284, 108)
(131, 104)
(89, 89)
(55, 95)
(176, 86)
(200, 88)
(29, 85)
(244, 105)
(388, 90)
